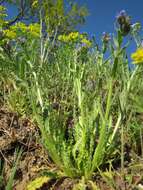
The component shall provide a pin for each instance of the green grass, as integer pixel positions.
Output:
(8, 185)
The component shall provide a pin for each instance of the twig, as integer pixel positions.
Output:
(5, 158)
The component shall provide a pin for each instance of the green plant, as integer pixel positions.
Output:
(87, 105)
(82, 145)
(8, 185)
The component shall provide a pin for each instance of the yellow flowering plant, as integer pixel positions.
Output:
(21, 29)
(32, 30)
(19, 26)
(3, 15)
(18, 29)
(86, 42)
(2, 12)
(137, 56)
(71, 37)
(9, 34)
(75, 37)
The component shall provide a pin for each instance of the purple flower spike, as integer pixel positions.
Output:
(106, 37)
(124, 22)
(122, 13)
(104, 33)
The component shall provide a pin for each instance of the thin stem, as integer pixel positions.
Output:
(141, 139)
(122, 149)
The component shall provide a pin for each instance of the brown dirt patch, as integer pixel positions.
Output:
(16, 133)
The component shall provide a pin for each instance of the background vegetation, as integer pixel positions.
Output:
(86, 99)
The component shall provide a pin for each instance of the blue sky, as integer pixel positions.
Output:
(103, 12)
(102, 15)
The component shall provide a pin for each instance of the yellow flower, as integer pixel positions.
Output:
(34, 29)
(63, 38)
(2, 8)
(19, 27)
(86, 42)
(73, 36)
(10, 34)
(137, 56)
(3, 23)
(3, 12)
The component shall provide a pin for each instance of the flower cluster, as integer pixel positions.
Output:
(137, 56)
(33, 30)
(86, 43)
(18, 29)
(124, 22)
(3, 14)
(75, 37)
(9, 34)
(106, 37)
(19, 26)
